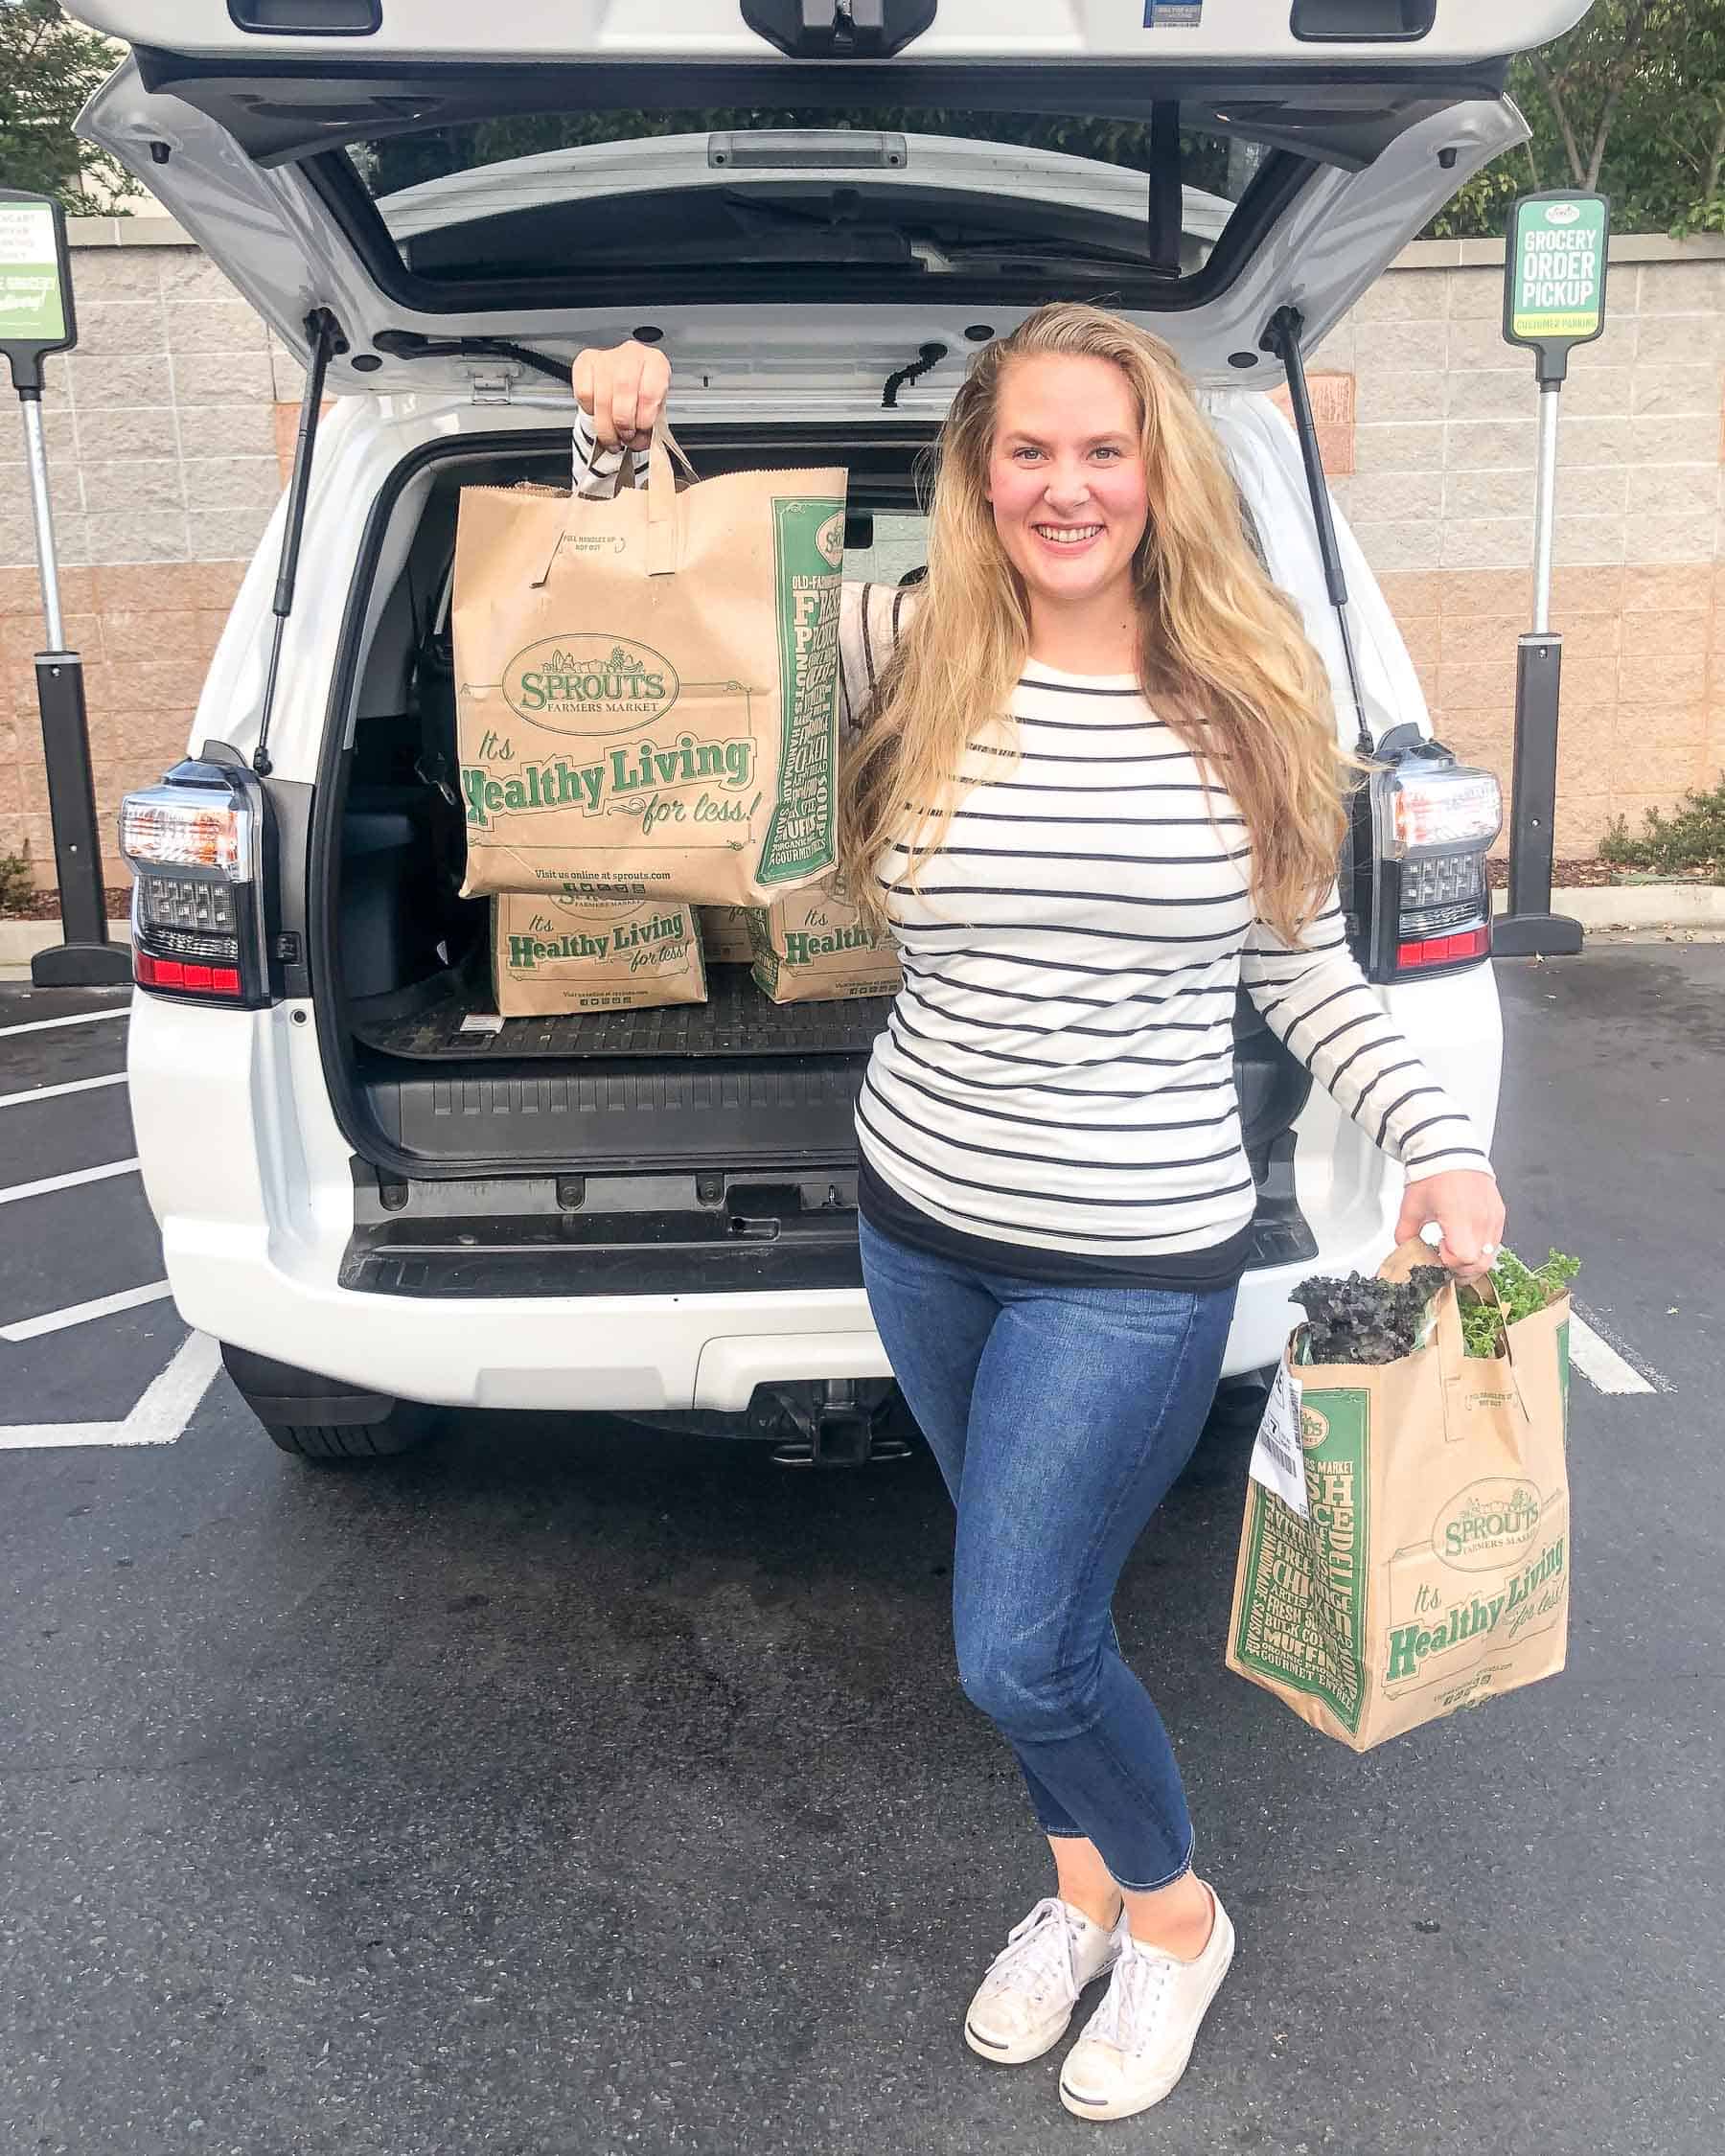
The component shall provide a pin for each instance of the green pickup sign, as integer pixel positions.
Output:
(30, 284)
(35, 289)
(1555, 272)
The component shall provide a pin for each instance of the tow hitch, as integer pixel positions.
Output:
(832, 1425)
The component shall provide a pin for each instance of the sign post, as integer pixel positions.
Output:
(36, 318)
(1553, 299)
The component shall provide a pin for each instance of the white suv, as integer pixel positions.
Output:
(375, 1196)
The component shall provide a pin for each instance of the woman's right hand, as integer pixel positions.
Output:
(622, 390)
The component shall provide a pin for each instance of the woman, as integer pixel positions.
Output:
(1092, 784)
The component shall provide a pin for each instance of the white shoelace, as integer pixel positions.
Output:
(1128, 2014)
(1038, 1954)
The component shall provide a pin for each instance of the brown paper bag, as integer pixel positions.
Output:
(1433, 1572)
(552, 955)
(812, 948)
(647, 688)
(725, 939)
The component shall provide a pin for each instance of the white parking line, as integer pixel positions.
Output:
(78, 1017)
(80, 1313)
(1600, 1362)
(67, 1182)
(168, 1403)
(55, 1092)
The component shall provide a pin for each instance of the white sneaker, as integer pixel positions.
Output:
(1135, 2045)
(1023, 2004)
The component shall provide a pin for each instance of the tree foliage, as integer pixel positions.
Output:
(48, 65)
(1633, 101)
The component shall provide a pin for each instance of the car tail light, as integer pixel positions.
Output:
(1434, 822)
(196, 848)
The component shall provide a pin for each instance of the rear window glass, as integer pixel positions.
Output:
(514, 197)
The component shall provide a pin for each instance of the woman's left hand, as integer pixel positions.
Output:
(1465, 1202)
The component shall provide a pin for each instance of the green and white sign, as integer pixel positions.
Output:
(35, 286)
(1555, 273)
(30, 307)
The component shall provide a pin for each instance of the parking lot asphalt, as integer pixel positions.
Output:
(569, 1787)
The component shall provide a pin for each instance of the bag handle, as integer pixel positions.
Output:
(1486, 1285)
(662, 508)
(1446, 1333)
(662, 500)
(1453, 1357)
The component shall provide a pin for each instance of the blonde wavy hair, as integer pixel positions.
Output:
(1221, 656)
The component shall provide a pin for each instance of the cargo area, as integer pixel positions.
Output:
(435, 1076)
(627, 1139)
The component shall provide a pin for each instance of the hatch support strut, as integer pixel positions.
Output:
(326, 341)
(1282, 339)
(1167, 199)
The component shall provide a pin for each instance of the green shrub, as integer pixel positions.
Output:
(17, 883)
(1693, 838)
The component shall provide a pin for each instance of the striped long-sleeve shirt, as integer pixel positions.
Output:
(1054, 1092)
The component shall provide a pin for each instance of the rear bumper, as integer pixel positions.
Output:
(595, 1354)
(253, 1186)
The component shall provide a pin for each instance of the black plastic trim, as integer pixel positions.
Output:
(245, 14)
(277, 106)
(281, 1393)
(1339, 22)
(883, 27)
(682, 1253)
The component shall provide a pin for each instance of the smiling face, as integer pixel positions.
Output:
(1065, 479)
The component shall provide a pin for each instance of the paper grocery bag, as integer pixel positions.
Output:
(812, 948)
(646, 688)
(552, 955)
(726, 937)
(1432, 1569)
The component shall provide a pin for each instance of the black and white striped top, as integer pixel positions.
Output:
(1057, 1073)
(1058, 1070)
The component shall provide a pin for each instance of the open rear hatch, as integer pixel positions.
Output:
(431, 173)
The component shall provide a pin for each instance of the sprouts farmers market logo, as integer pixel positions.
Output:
(590, 685)
(1487, 1524)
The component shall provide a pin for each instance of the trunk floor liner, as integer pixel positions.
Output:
(424, 1024)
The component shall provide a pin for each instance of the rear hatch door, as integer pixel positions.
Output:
(797, 205)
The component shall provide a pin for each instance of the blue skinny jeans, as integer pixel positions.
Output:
(1059, 1417)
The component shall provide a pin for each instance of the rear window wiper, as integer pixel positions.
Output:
(409, 344)
(839, 211)
(1040, 255)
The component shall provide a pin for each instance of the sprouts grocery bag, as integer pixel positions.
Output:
(646, 688)
(812, 948)
(551, 954)
(725, 939)
(1431, 1568)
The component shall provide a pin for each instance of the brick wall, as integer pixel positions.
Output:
(1440, 492)
(163, 463)
(168, 432)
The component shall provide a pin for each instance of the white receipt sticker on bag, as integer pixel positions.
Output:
(1277, 1461)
